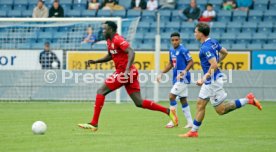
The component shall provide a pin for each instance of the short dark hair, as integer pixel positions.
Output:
(209, 4)
(47, 43)
(112, 25)
(203, 28)
(175, 34)
(56, 1)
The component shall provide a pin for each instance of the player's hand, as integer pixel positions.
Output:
(126, 74)
(159, 77)
(180, 75)
(199, 82)
(91, 62)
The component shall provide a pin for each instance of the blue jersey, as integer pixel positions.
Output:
(208, 50)
(179, 58)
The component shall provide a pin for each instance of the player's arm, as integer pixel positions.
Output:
(188, 67)
(168, 67)
(222, 54)
(131, 56)
(106, 58)
(212, 69)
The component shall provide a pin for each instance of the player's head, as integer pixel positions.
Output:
(202, 31)
(175, 39)
(209, 7)
(56, 4)
(109, 28)
(40, 3)
(47, 46)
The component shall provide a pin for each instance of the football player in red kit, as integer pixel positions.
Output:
(126, 75)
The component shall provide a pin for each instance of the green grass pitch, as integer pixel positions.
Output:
(127, 128)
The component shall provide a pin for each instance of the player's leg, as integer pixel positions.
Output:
(187, 112)
(173, 105)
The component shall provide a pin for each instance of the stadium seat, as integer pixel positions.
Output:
(143, 27)
(261, 5)
(5, 7)
(149, 38)
(186, 38)
(99, 46)
(260, 38)
(125, 3)
(20, 7)
(270, 15)
(187, 27)
(165, 40)
(175, 16)
(165, 46)
(244, 38)
(272, 5)
(234, 27)
(104, 13)
(192, 46)
(133, 13)
(239, 16)
(249, 27)
(6, 2)
(218, 27)
(228, 38)
(139, 36)
(224, 16)
(77, 4)
(73, 13)
(37, 46)
(89, 13)
(172, 27)
(85, 46)
(23, 46)
(165, 15)
(148, 16)
(121, 13)
(22, 3)
(226, 45)
(27, 13)
(3, 13)
(146, 46)
(272, 38)
(239, 46)
(265, 27)
(255, 16)
(14, 13)
(269, 46)
(216, 36)
(255, 46)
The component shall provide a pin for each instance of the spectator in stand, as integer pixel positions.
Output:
(209, 14)
(192, 12)
(167, 4)
(48, 59)
(138, 4)
(93, 5)
(56, 10)
(40, 11)
(89, 38)
(244, 5)
(111, 5)
(229, 4)
(152, 5)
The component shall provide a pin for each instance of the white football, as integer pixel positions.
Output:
(54, 65)
(39, 127)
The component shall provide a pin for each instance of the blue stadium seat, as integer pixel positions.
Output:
(272, 38)
(255, 16)
(244, 38)
(269, 46)
(218, 27)
(249, 27)
(173, 27)
(234, 27)
(149, 38)
(23, 45)
(99, 46)
(226, 45)
(239, 46)
(125, 3)
(6, 2)
(5, 7)
(85, 46)
(187, 27)
(121, 13)
(270, 15)
(165, 46)
(139, 36)
(27, 13)
(73, 13)
(32, 2)
(216, 36)
(260, 38)
(143, 27)
(239, 16)
(3, 13)
(224, 16)
(148, 16)
(22, 3)
(20, 7)
(89, 13)
(66, 2)
(104, 13)
(192, 46)
(265, 27)
(79, 7)
(272, 5)
(146, 46)
(261, 5)
(14, 13)
(186, 38)
(175, 16)
(37, 45)
(183, 4)
(255, 46)
(228, 38)
(165, 15)
(133, 13)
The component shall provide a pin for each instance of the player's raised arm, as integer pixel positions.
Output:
(222, 54)
(106, 58)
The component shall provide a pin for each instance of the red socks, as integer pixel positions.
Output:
(97, 109)
(147, 104)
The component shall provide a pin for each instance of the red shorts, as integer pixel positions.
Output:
(117, 79)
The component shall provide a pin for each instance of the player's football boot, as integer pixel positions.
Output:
(253, 101)
(170, 125)
(173, 116)
(88, 126)
(189, 134)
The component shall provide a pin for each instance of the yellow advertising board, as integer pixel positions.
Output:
(76, 60)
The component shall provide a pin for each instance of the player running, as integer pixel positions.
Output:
(181, 62)
(211, 53)
(126, 75)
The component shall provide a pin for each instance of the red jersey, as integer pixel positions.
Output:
(116, 47)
